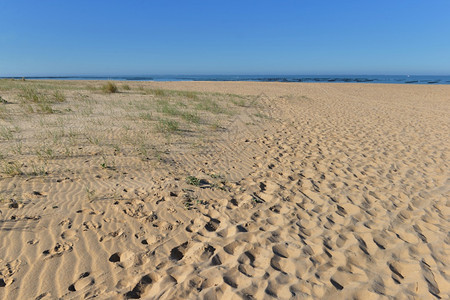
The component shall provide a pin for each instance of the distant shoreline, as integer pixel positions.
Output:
(392, 79)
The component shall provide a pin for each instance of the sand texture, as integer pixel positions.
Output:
(228, 190)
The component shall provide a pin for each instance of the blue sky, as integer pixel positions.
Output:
(224, 37)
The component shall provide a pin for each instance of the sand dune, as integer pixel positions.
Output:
(332, 191)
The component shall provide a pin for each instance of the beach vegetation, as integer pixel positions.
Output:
(167, 126)
(239, 102)
(261, 116)
(157, 92)
(58, 96)
(210, 105)
(30, 94)
(191, 117)
(107, 163)
(110, 88)
(45, 108)
(6, 133)
(18, 147)
(172, 109)
(12, 168)
(146, 116)
(192, 180)
(165, 107)
(33, 100)
(38, 169)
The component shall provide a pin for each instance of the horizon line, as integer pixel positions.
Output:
(211, 74)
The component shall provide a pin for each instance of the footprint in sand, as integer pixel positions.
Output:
(89, 225)
(207, 252)
(195, 225)
(90, 211)
(82, 282)
(212, 225)
(66, 222)
(139, 289)
(7, 270)
(111, 235)
(124, 260)
(69, 235)
(58, 250)
(178, 252)
(232, 247)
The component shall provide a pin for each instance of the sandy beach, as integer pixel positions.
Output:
(224, 190)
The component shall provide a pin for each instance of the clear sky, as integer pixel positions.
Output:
(137, 37)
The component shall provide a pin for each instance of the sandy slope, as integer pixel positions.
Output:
(339, 191)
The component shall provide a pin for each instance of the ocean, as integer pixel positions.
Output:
(398, 79)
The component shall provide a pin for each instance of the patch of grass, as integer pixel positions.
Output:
(210, 106)
(45, 108)
(18, 148)
(262, 116)
(45, 153)
(217, 176)
(146, 116)
(12, 168)
(181, 104)
(110, 88)
(58, 96)
(167, 126)
(38, 169)
(93, 140)
(6, 133)
(174, 93)
(30, 94)
(126, 87)
(165, 107)
(239, 102)
(107, 164)
(186, 94)
(157, 92)
(192, 180)
(191, 117)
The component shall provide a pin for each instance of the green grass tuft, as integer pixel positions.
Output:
(30, 94)
(110, 88)
(168, 126)
(192, 180)
(58, 96)
(191, 117)
(210, 105)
